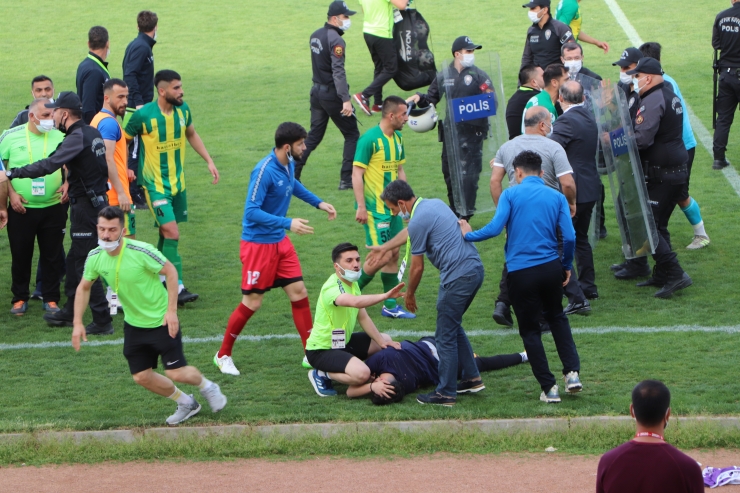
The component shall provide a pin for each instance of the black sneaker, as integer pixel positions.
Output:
(345, 185)
(720, 164)
(502, 314)
(58, 319)
(435, 398)
(617, 267)
(186, 296)
(583, 308)
(631, 271)
(672, 286)
(94, 329)
(591, 295)
(470, 386)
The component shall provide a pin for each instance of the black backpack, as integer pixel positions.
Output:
(416, 67)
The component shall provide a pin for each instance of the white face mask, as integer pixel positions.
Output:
(109, 246)
(534, 17)
(107, 54)
(45, 125)
(624, 78)
(549, 132)
(468, 60)
(573, 66)
(636, 85)
(405, 216)
(346, 23)
(155, 35)
(350, 275)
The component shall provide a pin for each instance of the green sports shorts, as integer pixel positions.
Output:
(380, 228)
(167, 208)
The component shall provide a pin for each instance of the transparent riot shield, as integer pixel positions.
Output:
(474, 129)
(626, 178)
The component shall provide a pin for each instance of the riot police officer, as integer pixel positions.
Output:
(545, 37)
(330, 96)
(465, 79)
(83, 151)
(726, 39)
(659, 138)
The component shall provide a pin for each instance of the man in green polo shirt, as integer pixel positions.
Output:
(334, 351)
(150, 325)
(554, 76)
(37, 213)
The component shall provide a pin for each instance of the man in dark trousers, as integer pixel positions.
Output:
(538, 229)
(545, 36)
(330, 98)
(93, 72)
(726, 39)
(530, 84)
(83, 152)
(577, 132)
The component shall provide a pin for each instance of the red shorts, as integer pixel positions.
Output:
(268, 265)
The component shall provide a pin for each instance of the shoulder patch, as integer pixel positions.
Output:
(338, 51)
(566, 37)
(639, 119)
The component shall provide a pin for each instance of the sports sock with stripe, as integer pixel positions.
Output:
(238, 319)
(181, 397)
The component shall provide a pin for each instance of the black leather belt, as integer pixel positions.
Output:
(672, 171)
(101, 198)
(324, 87)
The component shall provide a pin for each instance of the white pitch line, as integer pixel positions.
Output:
(727, 329)
(701, 131)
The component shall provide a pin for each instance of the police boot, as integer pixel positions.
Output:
(720, 163)
(502, 314)
(657, 279)
(633, 268)
(677, 283)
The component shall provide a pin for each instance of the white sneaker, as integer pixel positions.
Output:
(184, 412)
(215, 398)
(225, 364)
(698, 242)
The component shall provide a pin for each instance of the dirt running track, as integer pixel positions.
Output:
(494, 473)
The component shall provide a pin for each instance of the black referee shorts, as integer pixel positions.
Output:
(142, 347)
(336, 360)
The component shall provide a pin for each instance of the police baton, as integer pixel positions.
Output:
(715, 66)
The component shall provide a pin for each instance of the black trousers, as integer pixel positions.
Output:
(326, 105)
(538, 291)
(601, 209)
(470, 147)
(83, 230)
(45, 225)
(586, 279)
(728, 97)
(503, 287)
(385, 59)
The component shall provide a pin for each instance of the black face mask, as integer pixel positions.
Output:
(62, 127)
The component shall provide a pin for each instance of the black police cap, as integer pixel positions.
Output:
(647, 65)
(464, 43)
(629, 56)
(67, 100)
(339, 8)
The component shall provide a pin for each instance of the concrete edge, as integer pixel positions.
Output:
(488, 426)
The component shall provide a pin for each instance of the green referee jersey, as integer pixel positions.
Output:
(541, 99)
(135, 280)
(330, 316)
(380, 156)
(15, 152)
(162, 140)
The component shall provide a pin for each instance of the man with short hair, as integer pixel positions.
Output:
(334, 351)
(530, 84)
(545, 36)
(163, 126)
(378, 161)
(114, 104)
(571, 54)
(151, 328)
(569, 12)
(41, 87)
(379, 17)
(647, 464)
(268, 257)
(553, 77)
(93, 72)
(539, 255)
(37, 213)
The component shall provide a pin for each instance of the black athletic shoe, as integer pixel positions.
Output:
(435, 398)
(720, 164)
(672, 286)
(583, 308)
(345, 185)
(470, 386)
(502, 314)
(631, 271)
(58, 319)
(616, 267)
(94, 329)
(591, 295)
(186, 296)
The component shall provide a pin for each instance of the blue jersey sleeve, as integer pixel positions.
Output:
(497, 224)
(109, 129)
(305, 194)
(259, 185)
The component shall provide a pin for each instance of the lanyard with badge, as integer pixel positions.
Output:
(105, 69)
(113, 303)
(38, 185)
(338, 335)
(405, 260)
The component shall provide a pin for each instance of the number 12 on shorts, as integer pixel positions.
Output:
(252, 276)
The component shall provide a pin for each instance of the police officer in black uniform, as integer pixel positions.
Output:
(545, 36)
(330, 96)
(466, 80)
(83, 151)
(627, 62)
(659, 138)
(726, 39)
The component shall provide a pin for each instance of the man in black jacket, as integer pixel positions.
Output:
(530, 84)
(577, 132)
(93, 72)
(545, 36)
(83, 151)
(571, 55)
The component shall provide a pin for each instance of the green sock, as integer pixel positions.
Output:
(160, 243)
(390, 281)
(169, 250)
(364, 279)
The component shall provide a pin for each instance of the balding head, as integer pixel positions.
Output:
(571, 92)
(534, 118)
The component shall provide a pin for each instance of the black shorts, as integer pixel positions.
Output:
(142, 347)
(335, 360)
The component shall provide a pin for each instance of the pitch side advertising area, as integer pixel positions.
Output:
(279, 193)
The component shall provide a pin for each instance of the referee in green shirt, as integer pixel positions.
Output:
(150, 326)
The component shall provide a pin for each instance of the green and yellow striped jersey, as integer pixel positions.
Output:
(162, 143)
(380, 156)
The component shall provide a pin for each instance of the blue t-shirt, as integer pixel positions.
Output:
(414, 366)
(110, 129)
(434, 231)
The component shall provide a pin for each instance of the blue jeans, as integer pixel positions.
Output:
(453, 346)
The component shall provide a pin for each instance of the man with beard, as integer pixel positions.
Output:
(163, 126)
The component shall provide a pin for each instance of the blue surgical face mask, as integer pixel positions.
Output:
(406, 216)
(350, 275)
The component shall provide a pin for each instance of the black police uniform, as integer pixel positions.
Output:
(543, 44)
(726, 38)
(83, 151)
(329, 91)
(471, 81)
(515, 109)
(90, 79)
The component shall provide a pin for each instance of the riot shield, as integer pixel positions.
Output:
(474, 129)
(626, 178)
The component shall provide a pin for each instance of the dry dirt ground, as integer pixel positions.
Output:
(530, 473)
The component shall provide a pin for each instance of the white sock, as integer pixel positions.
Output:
(181, 397)
(524, 357)
(205, 383)
(180, 287)
(323, 374)
(699, 229)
